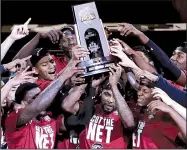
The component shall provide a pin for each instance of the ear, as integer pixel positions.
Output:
(35, 69)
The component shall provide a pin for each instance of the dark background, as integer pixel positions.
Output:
(58, 12)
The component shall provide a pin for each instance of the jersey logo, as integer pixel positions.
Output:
(99, 126)
(44, 137)
(136, 137)
(97, 146)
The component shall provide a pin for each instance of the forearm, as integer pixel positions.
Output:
(73, 97)
(142, 63)
(180, 121)
(41, 103)
(46, 97)
(85, 113)
(174, 93)
(5, 90)
(27, 49)
(123, 109)
(168, 66)
(132, 80)
(179, 109)
(88, 105)
(143, 38)
(5, 46)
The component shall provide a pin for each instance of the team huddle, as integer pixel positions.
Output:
(47, 104)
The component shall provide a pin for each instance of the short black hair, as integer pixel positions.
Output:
(22, 90)
(120, 85)
(37, 55)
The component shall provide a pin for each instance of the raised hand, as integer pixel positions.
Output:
(158, 105)
(25, 76)
(162, 95)
(126, 48)
(115, 75)
(53, 35)
(97, 82)
(128, 29)
(76, 79)
(17, 65)
(79, 52)
(71, 69)
(20, 31)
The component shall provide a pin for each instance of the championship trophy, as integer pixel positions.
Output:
(91, 35)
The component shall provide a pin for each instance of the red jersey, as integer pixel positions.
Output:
(158, 132)
(34, 135)
(60, 64)
(103, 131)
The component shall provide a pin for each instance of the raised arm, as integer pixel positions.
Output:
(45, 98)
(175, 74)
(180, 121)
(19, 78)
(17, 33)
(26, 50)
(140, 62)
(70, 102)
(123, 109)
(176, 94)
(166, 99)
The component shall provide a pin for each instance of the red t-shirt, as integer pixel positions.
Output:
(159, 132)
(60, 64)
(34, 135)
(103, 131)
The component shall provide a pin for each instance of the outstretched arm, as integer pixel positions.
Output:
(45, 98)
(70, 102)
(123, 109)
(17, 33)
(175, 73)
(166, 99)
(180, 121)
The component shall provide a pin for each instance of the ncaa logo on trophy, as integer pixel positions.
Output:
(90, 34)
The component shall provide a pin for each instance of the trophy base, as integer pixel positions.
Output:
(92, 68)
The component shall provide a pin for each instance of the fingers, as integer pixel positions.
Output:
(55, 36)
(112, 70)
(28, 73)
(26, 58)
(75, 62)
(27, 22)
(24, 71)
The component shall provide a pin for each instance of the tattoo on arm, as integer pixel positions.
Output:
(123, 109)
(41, 103)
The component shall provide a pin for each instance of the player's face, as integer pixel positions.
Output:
(107, 101)
(179, 59)
(31, 95)
(144, 96)
(68, 40)
(46, 68)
